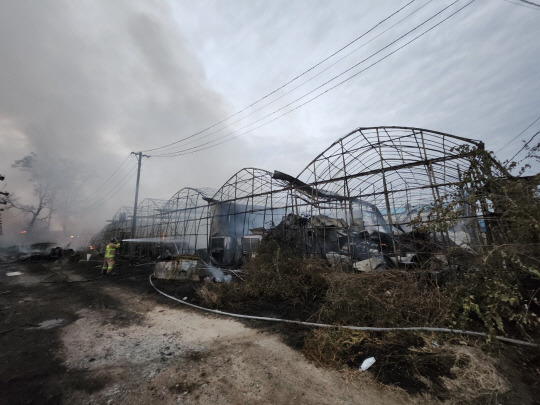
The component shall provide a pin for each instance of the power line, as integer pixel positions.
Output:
(186, 151)
(524, 3)
(530, 2)
(92, 195)
(199, 147)
(124, 181)
(517, 136)
(296, 87)
(523, 147)
(112, 189)
(518, 3)
(286, 84)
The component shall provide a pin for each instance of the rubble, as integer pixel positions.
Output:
(371, 264)
(189, 268)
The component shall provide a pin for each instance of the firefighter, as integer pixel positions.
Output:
(110, 252)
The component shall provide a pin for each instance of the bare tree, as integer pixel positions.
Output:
(42, 209)
(56, 185)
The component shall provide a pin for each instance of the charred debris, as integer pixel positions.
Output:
(378, 197)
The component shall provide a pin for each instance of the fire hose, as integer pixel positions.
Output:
(360, 328)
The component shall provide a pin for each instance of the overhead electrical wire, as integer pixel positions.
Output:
(518, 135)
(524, 3)
(286, 84)
(221, 141)
(297, 86)
(106, 181)
(217, 142)
(99, 202)
(192, 150)
(530, 3)
(523, 147)
(112, 188)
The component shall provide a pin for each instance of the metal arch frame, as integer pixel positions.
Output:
(146, 220)
(185, 225)
(248, 204)
(378, 173)
(388, 165)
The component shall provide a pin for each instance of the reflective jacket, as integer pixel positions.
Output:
(110, 251)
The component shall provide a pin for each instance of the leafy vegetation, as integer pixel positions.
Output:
(491, 286)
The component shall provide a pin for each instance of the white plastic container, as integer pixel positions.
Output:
(367, 363)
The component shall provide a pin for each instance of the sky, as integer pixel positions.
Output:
(245, 83)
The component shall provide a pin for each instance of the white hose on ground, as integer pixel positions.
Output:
(326, 325)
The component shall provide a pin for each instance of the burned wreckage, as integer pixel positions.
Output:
(370, 199)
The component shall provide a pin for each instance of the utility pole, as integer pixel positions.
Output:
(139, 156)
(3, 202)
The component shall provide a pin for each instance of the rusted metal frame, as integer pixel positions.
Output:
(315, 198)
(328, 159)
(235, 188)
(434, 190)
(228, 185)
(428, 165)
(411, 184)
(176, 220)
(381, 156)
(391, 168)
(403, 161)
(348, 206)
(173, 223)
(179, 215)
(444, 149)
(347, 189)
(387, 201)
(188, 221)
(372, 146)
(324, 206)
(266, 205)
(473, 209)
(356, 158)
(431, 175)
(331, 163)
(468, 140)
(393, 146)
(247, 203)
(202, 213)
(285, 188)
(186, 218)
(483, 207)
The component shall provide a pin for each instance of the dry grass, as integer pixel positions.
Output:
(389, 299)
(476, 380)
(280, 282)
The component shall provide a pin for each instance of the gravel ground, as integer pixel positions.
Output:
(72, 337)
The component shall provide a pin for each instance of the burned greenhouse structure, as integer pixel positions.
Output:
(387, 193)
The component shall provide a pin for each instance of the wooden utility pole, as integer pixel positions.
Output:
(3, 202)
(139, 156)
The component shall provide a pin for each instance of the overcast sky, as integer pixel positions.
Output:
(92, 81)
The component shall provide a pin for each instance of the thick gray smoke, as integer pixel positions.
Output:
(87, 83)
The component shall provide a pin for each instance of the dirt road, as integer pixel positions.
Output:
(66, 340)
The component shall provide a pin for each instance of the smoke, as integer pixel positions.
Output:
(88, 83)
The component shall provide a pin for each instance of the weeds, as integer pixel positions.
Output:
(494, 286)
